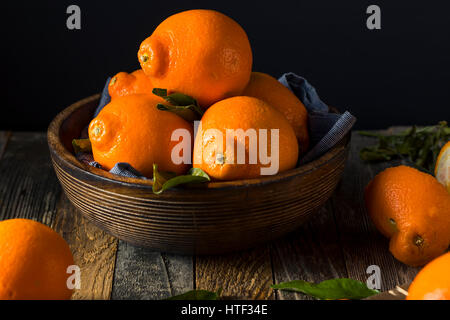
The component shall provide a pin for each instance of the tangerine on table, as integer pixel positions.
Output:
(123, 84)
(221, 163)
(201, 53)
(412, 209)
(33, 262)
(131, 129)
(433, 281)
(270, 90)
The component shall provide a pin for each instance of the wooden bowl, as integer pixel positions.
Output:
(207, 218)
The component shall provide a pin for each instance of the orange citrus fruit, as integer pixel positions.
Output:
(270, 90)
(433, 281)
(200, 53)
(442, 169)
(131, 129)
(123, 84)
(33, 262)
(412, 209)
(247, 114)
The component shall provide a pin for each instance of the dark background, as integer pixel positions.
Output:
(394, 76)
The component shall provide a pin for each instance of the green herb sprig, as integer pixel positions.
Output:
(418, 146)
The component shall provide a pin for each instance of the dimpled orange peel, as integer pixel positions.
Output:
(433, 281)
(34, 262)
(131, 129)
(123, 84)
(201, 53)
(270, 90)
(412, 209)
(243, 113)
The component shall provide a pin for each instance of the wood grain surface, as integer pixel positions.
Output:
(143, 274)
(4, 137)
(28, 185)
(94, 251)
(340, 240)
(312, 253)
(243, 275)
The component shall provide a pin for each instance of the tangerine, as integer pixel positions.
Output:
(131, 129)
(412, 209)
(244, 117)
(433, 281)
(270, 90)
(123, 84)
(201, 53)
(33, 262)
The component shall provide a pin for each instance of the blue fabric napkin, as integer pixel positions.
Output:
(104, 99)
(326, 129)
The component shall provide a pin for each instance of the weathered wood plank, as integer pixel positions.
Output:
(397, 293)
(312, 253)
(361, 243)
(4, 137)
(243, 275)
(142, 274)
(28, 185)
(94, 251)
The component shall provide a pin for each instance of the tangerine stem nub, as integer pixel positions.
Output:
(145, 58)
(97, 130)
(418, 241)
(154, 58)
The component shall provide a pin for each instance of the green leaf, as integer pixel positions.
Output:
(160, 178)
(160, 92)
(329, 289)
(197, 172)
(183, 105)
(165, 180)
(179, 99)
(188, 113)
(197, 295)
(81, 145)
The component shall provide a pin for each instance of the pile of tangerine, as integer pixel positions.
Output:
(205, 56)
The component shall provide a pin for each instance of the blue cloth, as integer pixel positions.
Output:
(326, 129)
(126, 170)
(104, 99)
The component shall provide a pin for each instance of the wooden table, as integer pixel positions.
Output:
(340, 241)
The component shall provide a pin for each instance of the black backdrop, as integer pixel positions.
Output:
(393, 76)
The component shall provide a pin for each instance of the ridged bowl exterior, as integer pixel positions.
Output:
(209, 218)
